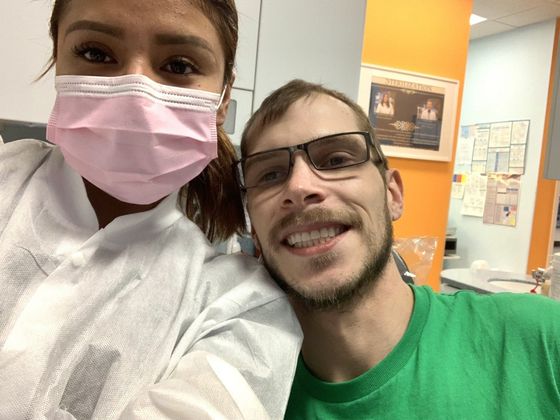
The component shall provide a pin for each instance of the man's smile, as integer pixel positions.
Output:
(313, 236)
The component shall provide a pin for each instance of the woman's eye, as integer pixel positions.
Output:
(180, 66)
(93, 54)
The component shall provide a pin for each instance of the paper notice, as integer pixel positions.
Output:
(519, 132)
(502, 199)
(500, 134)
(474, 196)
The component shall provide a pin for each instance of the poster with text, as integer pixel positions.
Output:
(413, 115)
(406, 115)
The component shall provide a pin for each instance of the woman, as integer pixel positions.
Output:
(385, 106)
(113, 303)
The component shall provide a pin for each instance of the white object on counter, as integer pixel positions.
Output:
(479, 265)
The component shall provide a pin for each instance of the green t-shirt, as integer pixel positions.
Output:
(463, 356)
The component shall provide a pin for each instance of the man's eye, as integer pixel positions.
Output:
(270, 177)
(93, 54)
(335, 161)
(180, 66)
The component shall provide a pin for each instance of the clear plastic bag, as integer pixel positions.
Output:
(418, 254)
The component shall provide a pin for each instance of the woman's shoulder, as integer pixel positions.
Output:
(29, 151)
(244, 266)
(19, 161)
(242, 275)
(20, 158)
(219, 274)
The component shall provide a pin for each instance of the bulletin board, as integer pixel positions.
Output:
(492, 147)
(489, 165)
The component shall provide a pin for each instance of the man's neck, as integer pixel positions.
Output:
(341, 345)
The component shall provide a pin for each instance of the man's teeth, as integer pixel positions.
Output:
(312, 238)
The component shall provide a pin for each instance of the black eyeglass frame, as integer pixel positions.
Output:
(238, 165)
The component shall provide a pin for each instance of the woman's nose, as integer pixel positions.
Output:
(140, 65)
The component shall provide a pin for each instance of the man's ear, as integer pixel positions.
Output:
(222, 111)
(395, 193)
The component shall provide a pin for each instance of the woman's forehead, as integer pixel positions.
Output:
(144, 16)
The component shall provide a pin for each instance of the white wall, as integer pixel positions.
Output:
(25, 48)
(507, 78)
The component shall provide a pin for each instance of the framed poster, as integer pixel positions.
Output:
(413, 114)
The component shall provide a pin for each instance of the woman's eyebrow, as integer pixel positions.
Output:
(91, 25)
(174, 39)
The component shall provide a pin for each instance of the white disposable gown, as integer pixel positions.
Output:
(140, 319)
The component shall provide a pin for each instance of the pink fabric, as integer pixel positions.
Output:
(133, 138)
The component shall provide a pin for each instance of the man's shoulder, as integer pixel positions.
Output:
(515, 303)
(530, 310)
(525, 311)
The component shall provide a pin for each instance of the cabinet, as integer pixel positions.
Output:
(316, 40)
(239, 111)
(552, 161)
(249, 18)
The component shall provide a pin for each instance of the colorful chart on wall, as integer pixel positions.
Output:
(502, 199)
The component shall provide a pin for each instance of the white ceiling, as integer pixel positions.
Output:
(504, 15)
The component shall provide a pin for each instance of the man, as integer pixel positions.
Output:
(429, 112)
(322, 200)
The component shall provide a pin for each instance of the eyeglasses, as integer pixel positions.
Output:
(329, 153)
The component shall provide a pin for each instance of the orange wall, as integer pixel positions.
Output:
(431, 37)
(546, 188)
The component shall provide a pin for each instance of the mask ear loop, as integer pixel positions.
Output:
(234, 73)
(221, 98)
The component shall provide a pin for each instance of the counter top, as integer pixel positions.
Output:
(488, 281)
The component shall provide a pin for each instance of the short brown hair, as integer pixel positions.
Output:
(278, 102)
(213, 199)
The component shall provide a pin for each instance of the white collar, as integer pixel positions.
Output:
(67, 199)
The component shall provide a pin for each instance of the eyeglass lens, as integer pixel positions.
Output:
(333, 152)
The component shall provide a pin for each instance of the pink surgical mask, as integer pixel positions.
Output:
(136, 139)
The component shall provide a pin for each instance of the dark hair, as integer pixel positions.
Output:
(213, 199)
(278, 102)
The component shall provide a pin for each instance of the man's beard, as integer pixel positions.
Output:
(355, 288)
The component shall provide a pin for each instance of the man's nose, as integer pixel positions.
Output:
(303, 187)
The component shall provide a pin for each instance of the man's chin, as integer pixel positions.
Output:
(352, 288)
(319, 293)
